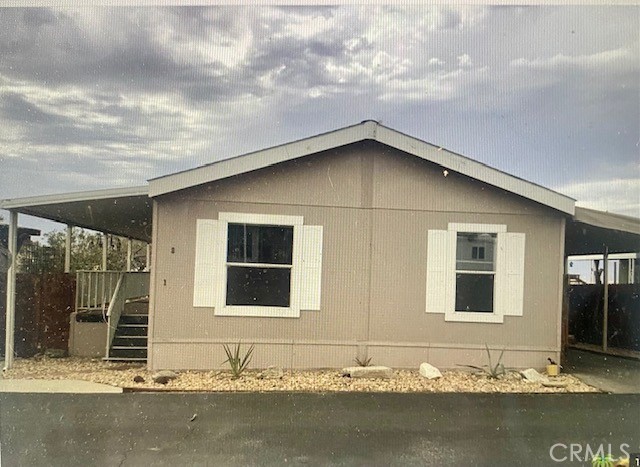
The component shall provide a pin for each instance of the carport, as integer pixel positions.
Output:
(125, 212)
(603, 236)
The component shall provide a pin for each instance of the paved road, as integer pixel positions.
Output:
(612, 374)
(312, 429)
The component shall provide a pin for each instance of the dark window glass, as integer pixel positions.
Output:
(258, 286)
(474, 292)
(477, 252)
(260, 244)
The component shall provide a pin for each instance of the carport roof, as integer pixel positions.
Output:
(126, 212)
(591, 231)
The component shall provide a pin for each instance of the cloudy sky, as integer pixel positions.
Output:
(110, 97)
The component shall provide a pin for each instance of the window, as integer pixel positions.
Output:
(257, 265)
(477, 252)
(475, 272)
(259, 262)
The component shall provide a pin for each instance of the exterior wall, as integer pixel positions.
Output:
(87, 339)
(375, 205)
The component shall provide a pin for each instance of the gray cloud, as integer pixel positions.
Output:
(546, 93)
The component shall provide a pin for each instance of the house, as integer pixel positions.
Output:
(361, 242)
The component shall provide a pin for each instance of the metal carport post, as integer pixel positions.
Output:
(12, 244)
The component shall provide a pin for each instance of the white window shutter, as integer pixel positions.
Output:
(311, 275)
(206, 264)
(441, 263)
(509, 290)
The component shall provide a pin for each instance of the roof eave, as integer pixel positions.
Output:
(367, 130)
(18, 203)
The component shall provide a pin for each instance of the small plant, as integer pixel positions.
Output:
(362, 362)
(603, 461)
(237, 363)
(491, 370)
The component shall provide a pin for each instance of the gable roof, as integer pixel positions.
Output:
(367, 130)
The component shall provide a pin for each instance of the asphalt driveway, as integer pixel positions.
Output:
(312, 429)
(617, 375)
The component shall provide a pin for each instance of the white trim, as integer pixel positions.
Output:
(477, 228)
(293, 310)
(17, 203)
(601, 256)
(607, 220)
(261, 219)
(441, 259)
(469, 316)
(474, 317)
(311, 270)
(367, 130)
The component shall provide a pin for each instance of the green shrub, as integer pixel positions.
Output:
(237, 363)
(491, 370)
(363, 362)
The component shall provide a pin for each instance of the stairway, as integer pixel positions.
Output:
(130, 340)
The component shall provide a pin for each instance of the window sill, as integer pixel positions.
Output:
(258, 311)
(471, 317)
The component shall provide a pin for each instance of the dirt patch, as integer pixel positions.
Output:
(122, 375)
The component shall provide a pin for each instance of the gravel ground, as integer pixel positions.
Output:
(122, 375)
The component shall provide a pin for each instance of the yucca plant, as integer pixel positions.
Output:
(362, 362)
(491, 370)
(237, 363)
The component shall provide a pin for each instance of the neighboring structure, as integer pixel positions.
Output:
(359, 242)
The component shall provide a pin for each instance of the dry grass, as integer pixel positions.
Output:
(122, 374)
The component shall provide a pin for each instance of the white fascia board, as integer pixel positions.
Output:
(611, 256)
(607, 220)
(17, 203)
(260, 159)
(367, 130)
(475, 170)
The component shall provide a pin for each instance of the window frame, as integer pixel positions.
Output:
(293, 310)
(494, 316)
(493, 272)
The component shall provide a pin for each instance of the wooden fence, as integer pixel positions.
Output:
(585, 315)
(44, 303)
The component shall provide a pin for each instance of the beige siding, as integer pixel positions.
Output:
(376, 206)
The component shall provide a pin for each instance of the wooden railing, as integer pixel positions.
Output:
(94, 289)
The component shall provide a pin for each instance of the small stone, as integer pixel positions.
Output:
(554, 384)
(138, 379)
(429, 371)
(532, 375)
(161, 379)
(165, 375)
(272, 372)
(381, 372)
(55, 353)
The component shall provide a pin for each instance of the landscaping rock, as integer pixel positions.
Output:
(55, 353)
(554, 384)
(532, 376)
(138, 379)
(381, 372)
(163, 377)
(429, 371)
(272, 372)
